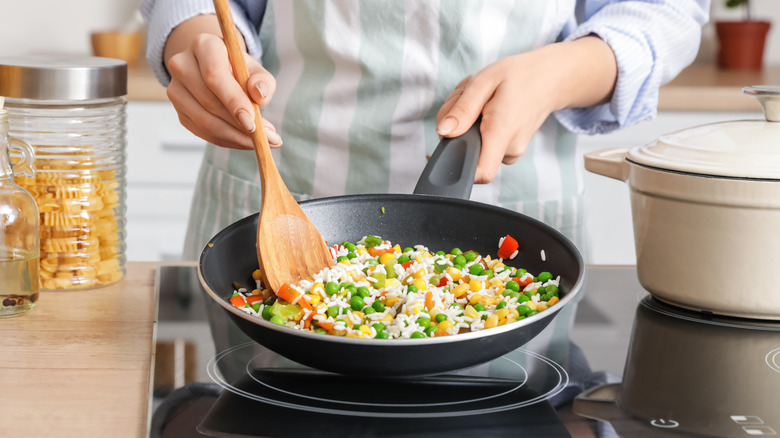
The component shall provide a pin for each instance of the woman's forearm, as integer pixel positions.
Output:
(587, 72)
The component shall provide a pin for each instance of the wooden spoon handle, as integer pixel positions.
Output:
(241, 73)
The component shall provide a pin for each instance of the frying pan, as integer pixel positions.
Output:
(439, 216)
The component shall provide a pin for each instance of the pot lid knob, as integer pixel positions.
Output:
(769, 98)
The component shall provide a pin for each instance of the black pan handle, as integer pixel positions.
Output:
(450, 171)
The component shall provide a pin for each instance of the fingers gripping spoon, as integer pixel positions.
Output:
(289, 247)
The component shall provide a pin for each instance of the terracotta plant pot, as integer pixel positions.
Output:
(741, 44)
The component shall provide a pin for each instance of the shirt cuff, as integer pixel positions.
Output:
(162, 16)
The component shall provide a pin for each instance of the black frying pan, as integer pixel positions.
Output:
(435, 220)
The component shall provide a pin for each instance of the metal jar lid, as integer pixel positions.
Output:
(62, 77)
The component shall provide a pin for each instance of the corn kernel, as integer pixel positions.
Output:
(257, 275)
(397, 248)
(471, 312)
(445, 325)
(359, 315)
(419, 274)
(510, 320)
(531, 305)
(386, 257)
(460, 289)
(256, 292)
(420, 283)
(476, 285)
(344, 262)
(475, 298)
(540, 307)
(497, 265)
(388, 317)
(392, 282)
(497, 283)
(502, 313)
(454, 273)
(322, 308)
(361, 251)
(390, 302)
(491, 321)
(552, 301)
(513, 313)
(355, 335)
(365, 329)
(487, 301)
(314, 299)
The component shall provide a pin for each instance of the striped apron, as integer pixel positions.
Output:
(359, 84)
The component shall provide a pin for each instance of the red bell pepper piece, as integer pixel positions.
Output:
(508, 247)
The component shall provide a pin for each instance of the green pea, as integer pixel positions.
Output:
(378, 306)
(441, 253)
(331, 288)
(356, 302)
(403, 259)
(501, 305)
(276, 319)
(521, 298)
(532, 313)
(349, 245)
(515, 295)
(441, 317)
(484, 317)
(430, 331)
(321, 331)
(378, 326)
(412, 289)
(545, 276)
(382, 335)
(256, 307)
(417, 335)
(341, 258)
(489, 273)
(479, 307)
(476, 269)
(552, 289)
(459, 260)
(424, 322)
(541, 290)
(373, 262)
(512, 285)
(369, 310)
(456, 305)
(333, 311)
(363, 291)
(351, 287)
(351, 255)
(523, 310)
(408, 249)
(520, 272)
(456, 251)
(266, 313)
(470, 255)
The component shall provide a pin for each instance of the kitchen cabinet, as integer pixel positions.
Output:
(163, 159)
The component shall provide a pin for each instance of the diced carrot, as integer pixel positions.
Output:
(327, 325)
(524, 282)
(289, 294)
(407, 264)
(429, 300)
(443, 281)
(373, 252)
(238, 301)
(253, 299)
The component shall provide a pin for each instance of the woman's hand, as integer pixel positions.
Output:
(516, 94)
(207, 97)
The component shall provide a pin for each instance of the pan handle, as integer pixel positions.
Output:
(450, 171)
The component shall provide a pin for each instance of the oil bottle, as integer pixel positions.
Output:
(19, 251)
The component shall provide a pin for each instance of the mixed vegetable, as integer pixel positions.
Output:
(378, 290)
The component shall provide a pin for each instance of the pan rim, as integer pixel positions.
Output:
(549, 313)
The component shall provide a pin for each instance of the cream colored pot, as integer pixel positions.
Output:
(705, 203)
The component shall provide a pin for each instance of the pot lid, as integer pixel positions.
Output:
(739, 149)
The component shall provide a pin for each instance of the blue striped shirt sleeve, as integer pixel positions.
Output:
(653, 41)
(162, 16)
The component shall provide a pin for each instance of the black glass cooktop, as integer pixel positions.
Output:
(645, 369)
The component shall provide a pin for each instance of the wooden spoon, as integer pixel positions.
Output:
(289, 247)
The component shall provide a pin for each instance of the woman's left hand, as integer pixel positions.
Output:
(516, 94)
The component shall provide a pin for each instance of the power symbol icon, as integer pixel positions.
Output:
(664, 424)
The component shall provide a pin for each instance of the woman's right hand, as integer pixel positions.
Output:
(204, 92)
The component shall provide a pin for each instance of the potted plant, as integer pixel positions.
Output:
(741, 43)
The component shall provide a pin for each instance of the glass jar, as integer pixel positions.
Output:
(72, 111)
(18, 228)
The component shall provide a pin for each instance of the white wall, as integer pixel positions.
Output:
(57, 26)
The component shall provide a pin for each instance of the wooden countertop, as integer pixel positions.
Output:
(78, 364)
(700, 87)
